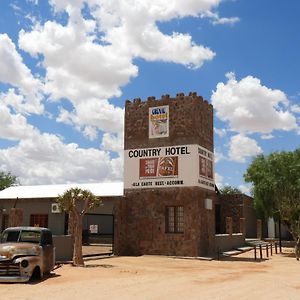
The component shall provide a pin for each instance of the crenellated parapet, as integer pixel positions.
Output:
(190, 121)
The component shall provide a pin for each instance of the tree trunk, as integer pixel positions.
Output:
(297, 249)
(77, 254)
(71, 224)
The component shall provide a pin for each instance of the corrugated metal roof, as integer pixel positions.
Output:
(106, 189)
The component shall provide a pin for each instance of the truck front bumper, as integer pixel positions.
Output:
(4, 279)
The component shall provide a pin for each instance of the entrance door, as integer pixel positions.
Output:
(98, 234)
(218, 218)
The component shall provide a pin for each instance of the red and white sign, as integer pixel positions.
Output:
(183, 165)
(155, 167)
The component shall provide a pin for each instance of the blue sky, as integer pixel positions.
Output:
(67, 67)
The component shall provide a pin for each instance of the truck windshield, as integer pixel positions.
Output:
(27, 236)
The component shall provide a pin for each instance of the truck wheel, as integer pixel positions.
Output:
(36, 274)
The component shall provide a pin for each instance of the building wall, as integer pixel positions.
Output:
(238, 206)
(191, 122)
(141, 226)
(56, 221)
(141, 216)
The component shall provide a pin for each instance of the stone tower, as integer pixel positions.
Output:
(168, 206)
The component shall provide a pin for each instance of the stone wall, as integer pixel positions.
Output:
(140, 218)
(140, 223)
(191, 122)
(238, 206)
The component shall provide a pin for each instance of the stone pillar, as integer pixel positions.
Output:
(259, 229)
(243, 226)
(15, 217)
(229, 225)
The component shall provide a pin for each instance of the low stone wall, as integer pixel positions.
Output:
(226, 242)
(63, 247)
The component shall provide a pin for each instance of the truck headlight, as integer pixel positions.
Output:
(24, 263)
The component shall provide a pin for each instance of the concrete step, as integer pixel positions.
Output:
(245, 249)
(231, 253)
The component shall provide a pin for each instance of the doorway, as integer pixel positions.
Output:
(218, 218)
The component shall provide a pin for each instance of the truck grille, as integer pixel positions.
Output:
(9, 269)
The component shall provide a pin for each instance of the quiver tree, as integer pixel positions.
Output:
(77, 202)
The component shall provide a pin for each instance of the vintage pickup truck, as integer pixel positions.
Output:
(25, 253)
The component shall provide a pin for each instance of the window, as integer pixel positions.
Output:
(30, 236)
(10, 236)
(39, 220)
(174, 219)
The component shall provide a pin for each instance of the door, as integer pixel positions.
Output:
(218, 218)
(48, 251)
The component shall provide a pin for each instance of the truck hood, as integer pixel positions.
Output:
(11, 250)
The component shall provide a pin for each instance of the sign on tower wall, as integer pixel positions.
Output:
(172, 166)
(159, 122)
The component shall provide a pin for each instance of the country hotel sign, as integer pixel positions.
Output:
(173, 166)
(159, 122)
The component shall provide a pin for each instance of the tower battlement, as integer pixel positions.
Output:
(190, 121)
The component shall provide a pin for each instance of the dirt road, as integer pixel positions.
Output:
(160, 277)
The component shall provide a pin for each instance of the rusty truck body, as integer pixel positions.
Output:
(25, 253)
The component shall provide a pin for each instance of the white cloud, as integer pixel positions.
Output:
(221, 132)
(134, 23)
(93, 115)
(112, 142)
(295, 108)
(249, 107)
(14, 72)
(217, 20)
(267, 136)
(46, 159)
(87, 61)
(245, 189)
(90, 132)
(15, 7)
(229, 21)
(77, 68)
(14, 126)
(242, 147)
(219, 180)
(218, 156)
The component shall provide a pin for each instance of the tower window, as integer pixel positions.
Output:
(174, 219)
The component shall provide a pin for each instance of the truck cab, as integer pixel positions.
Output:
(25, 253)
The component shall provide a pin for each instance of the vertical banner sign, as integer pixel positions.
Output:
(206, 171)
(159, 122)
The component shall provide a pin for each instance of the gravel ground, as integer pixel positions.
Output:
(161, 277)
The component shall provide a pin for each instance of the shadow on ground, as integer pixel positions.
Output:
(242, 259)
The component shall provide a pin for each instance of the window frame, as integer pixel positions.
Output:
(174, 219)
(39, 219)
